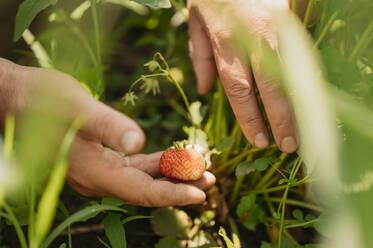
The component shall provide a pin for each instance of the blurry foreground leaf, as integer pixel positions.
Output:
(171, 222)
(155, 3)
(27, 11)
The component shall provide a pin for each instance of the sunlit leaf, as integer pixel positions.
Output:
(155, 3)
(27, 11)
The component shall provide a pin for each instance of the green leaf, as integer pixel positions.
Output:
(252, 212)
(171, 222)
(262, 164)
(196, 136)
(27, 11)
(114, 230)
(49, 200)
(267, 245)
(112, 201)
(244, 168)
(155, 3)
(196, 113)
(298, 214)
(246, 203)
(78, 216)
(225, 144)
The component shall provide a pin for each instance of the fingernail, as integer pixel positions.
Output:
(288, 144)
(131, 142)
(261, 140)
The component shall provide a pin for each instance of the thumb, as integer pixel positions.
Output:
(113, 129)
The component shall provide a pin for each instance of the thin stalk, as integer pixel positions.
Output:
(12, 218)
(298, 204)
(301, 224)
(234, 160)
(236, 189)
(165, 74)
(282, 218)
(9, 136)
(362, 43)
(281, 187)
(97, 39)
(325, 30)
(308, 12)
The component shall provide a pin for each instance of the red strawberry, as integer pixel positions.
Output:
(185, 164)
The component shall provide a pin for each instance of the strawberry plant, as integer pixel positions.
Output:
(263, 197)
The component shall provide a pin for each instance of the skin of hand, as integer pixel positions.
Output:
(211, 52)
(94, 168)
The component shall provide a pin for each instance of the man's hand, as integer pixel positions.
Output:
(96, 166)
(211, 51)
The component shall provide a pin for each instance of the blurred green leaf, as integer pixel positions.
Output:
(262, 164)
(76, 217)
(298, 214)
(27, 11)
(244, 168)
(49, 200)
(63, 245)
(225, 144)
(137, 217)
(251, 213)
(171, 222)
(155, 3)
(114, 230)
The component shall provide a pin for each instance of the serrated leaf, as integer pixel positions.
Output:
(155, 3)
(225, 144)
(244, 168)
(114, 230)
(27, 11)
(171, 222)
(298, 214)
(262, 164)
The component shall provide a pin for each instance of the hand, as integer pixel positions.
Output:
(95, 169)
(211, 52)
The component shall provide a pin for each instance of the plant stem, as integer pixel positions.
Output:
(146, 76)
(325, 30)
(17, 227)
(302, 224)
(298, 203)
(234, 160)
(9, 136)
(295, 6)
(97, 40)
(308, 12)
(362, 43)
(236, 188)
(283, 206)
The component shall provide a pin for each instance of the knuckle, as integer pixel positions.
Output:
(252, 120)
(102, 124)
(239, 92)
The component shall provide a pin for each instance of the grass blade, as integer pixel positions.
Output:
(114, 230)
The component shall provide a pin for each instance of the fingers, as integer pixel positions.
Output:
(277, 107)
(146, 163)
(113, 129)
(96, 170)
(238, 85)
(201, 54)
(207, 180)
